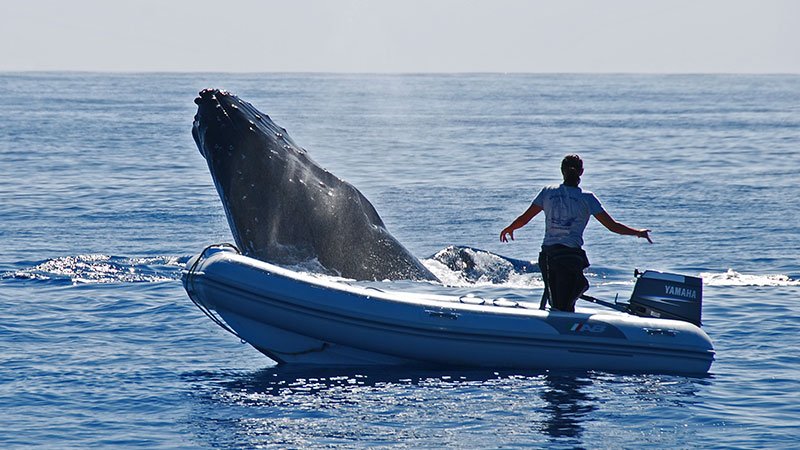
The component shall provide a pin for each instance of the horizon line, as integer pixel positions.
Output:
(386, 73)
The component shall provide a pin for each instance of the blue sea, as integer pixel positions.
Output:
(104, 197)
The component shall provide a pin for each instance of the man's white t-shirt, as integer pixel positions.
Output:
(567, 210)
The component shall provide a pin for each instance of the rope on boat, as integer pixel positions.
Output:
(190, 291)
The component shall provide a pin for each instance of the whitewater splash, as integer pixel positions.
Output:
(94, 268)
(733, 278)
(454, 266)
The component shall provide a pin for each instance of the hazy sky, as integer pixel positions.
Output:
(750, 36)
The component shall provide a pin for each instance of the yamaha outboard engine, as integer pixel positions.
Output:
(667, 296)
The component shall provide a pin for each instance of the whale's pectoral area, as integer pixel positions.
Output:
(284, 208)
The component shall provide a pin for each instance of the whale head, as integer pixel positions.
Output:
(257, 169)
(225, 126)
(284, 208)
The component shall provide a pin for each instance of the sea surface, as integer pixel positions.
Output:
(104, 197)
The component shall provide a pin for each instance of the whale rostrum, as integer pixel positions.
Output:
(284, 208)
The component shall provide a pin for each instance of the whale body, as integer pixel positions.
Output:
(284, 208)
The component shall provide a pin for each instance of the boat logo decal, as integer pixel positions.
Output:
(584, 327)
(680, 291)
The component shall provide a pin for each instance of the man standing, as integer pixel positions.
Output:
(567, 209)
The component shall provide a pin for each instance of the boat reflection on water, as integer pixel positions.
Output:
(380, 406)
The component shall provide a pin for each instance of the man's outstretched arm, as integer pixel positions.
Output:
(620, 228)
(520, 222)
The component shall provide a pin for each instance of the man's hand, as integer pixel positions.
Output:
(644, 233)
(506, 231)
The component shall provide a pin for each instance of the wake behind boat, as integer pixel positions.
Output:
(303, 319)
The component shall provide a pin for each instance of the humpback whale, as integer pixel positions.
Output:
(473, 264)
(284, 208)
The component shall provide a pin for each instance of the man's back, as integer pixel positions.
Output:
(567, 211)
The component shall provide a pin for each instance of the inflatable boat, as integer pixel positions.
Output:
(302, 318)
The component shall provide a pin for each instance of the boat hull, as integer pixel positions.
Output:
(303, 319)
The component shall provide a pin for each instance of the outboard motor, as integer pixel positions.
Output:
(667, 296)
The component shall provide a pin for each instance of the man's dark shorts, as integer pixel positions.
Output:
(562, 272)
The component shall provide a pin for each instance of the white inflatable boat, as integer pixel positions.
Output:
(305, 319)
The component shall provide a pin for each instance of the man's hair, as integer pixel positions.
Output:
(571, 167)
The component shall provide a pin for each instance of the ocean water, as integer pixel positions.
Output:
(104, 197)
